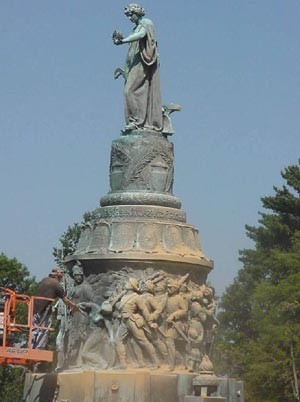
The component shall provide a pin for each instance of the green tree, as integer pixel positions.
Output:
(68, 241)
(259, 337)
(16, 276)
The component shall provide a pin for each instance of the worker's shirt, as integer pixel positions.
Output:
(48, 287)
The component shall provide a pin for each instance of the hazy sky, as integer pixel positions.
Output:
(234, 66)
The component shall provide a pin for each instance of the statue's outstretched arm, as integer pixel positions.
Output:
(135, 36)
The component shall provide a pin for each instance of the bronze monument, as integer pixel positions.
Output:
(147, 323)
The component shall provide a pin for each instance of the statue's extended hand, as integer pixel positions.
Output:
(117, 38)
(84, 307)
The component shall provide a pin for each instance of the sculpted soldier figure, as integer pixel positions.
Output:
(134, 319)
(176, 310)
(197, 316)
(79, 323)
(155, 305)
(143, 108)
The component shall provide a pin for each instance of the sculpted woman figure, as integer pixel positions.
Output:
(143, 109)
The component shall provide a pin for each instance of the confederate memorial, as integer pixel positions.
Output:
(146, 326)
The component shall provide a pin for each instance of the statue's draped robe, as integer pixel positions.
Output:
(142, 88)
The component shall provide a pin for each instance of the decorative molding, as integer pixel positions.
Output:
(140, 198)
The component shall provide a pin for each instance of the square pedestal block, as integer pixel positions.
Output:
(122, 386)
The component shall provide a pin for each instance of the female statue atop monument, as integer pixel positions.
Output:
(143, 109)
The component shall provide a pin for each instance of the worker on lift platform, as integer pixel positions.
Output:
(50, 288)
(34, 330)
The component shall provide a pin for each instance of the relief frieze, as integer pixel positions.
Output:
(137, 318)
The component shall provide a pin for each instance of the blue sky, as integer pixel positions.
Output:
(233, 65)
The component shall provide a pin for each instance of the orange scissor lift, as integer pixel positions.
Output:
(9, 328)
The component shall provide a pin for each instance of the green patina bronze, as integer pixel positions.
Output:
(143, 108)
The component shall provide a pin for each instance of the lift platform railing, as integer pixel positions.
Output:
(19, 353)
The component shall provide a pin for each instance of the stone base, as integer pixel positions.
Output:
(117, 386)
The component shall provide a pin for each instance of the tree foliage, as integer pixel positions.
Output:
(259, 338)
(16, 276)
(68, 241)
